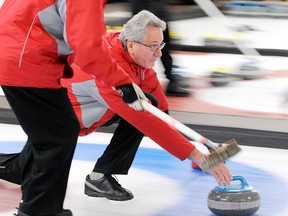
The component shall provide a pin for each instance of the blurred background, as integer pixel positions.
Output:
(232, 53)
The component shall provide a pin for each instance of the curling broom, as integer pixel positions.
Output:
(220, 152)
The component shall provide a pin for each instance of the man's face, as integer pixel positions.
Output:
(145, 53)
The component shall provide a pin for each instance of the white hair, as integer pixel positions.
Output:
(135, 29)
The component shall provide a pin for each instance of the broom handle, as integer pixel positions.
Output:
(178, 125)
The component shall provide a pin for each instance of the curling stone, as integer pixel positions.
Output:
(234, 200)
(181, 76)
(250, 70)
(221, 76)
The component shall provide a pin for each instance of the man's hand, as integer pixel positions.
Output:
(132, 95)
(220, 172)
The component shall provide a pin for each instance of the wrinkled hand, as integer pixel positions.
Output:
(220, 172)
(132, 95)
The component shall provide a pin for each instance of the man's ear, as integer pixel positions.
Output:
(130, 45)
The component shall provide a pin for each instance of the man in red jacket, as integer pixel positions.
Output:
(38, 38)
(97, 104)
(135, 49)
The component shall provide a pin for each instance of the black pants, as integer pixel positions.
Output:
(48, 119)
(159, 8)
(120, 153)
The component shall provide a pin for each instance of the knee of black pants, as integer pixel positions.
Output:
(153, 99)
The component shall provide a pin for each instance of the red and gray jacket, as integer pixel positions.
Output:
(95, 103)
(38, 36)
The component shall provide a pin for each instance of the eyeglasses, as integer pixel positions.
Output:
(152, 47)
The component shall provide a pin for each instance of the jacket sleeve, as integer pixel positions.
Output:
(151, 84)
(157, 130)
(85, 30)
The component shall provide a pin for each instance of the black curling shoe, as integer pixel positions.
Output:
(107, 187)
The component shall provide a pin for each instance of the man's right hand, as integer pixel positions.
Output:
(132, 95)
(220, 172)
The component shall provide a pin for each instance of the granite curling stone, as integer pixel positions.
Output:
(250, 70)
(234, 200)
(221, 76)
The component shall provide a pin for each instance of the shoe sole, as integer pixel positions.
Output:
(107, 196)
